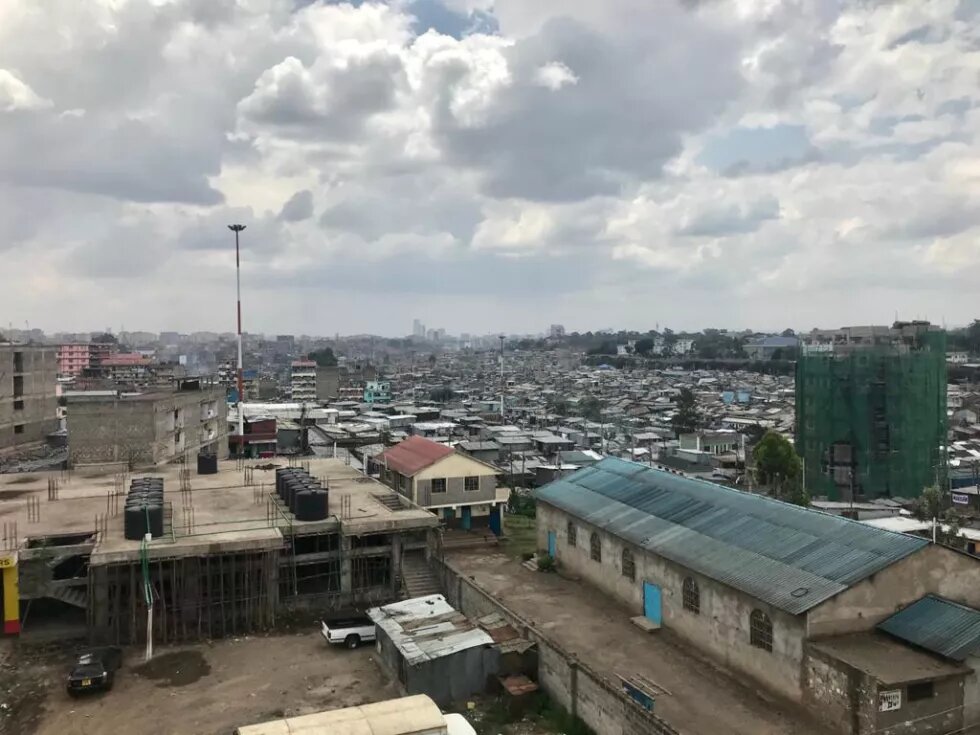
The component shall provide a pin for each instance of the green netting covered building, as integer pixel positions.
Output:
(871, 410)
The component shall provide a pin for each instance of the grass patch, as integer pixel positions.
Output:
(521, 534)
(541, 716)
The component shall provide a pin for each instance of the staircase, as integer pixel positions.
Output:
(74, 596)
(418, 580)
(390, 501)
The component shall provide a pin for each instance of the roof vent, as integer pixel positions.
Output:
(800, 592)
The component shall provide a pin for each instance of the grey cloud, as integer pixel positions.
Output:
(298, 208)
(324, 101)
(731, 219)
(622, 120)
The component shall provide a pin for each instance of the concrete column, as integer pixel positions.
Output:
(345, 565)
(396, 560)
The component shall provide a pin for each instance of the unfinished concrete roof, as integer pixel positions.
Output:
(228, 515)
(886, 660)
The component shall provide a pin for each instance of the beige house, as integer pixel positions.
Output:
(461, 490)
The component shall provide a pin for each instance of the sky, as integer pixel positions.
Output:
(488, 165)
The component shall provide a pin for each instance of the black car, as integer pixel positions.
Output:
(94, 670)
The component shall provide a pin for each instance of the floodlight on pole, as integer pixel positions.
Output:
(241, 379)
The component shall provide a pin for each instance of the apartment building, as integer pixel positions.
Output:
(146, 429)
(302, 380)
(28, 399)
(76, 357)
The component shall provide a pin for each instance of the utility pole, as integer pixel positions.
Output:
(503, 384)
(241, 379)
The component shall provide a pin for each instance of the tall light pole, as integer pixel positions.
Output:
(241, 380)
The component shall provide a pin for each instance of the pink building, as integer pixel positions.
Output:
(76, 357)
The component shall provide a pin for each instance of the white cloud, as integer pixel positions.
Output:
(563, 159)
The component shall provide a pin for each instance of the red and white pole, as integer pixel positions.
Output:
(241, 379)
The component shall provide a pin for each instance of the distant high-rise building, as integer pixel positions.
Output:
(556, 331)
(871, 410)
(303, 380)
(418, 329)
(28, 394)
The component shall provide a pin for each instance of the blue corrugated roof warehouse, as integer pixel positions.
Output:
(938, 625)
(790, 557)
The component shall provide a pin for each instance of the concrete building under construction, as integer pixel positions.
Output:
(231, 559)
(871, 410)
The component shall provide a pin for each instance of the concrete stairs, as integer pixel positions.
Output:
(74, 596)
(390, 501)
(418, 580)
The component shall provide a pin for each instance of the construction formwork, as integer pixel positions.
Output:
(871, 422)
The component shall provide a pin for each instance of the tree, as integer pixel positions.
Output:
(779, 468)
(754, 433)
(323, 357)
(441, 394)
(930, 507)
(687, 418)
(607, 347)
(788, 333)
(670, 339)
(104, 338)
(643, 346)
(590, 408)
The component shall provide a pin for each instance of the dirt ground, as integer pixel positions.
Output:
(202, 689)
(703, 699)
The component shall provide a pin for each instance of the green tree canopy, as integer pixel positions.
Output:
(776, 461)
(644, 346)
(323, 357)
(590, 408)
(442, 394)
(687, 418)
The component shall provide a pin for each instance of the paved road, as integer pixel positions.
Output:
(704, 699)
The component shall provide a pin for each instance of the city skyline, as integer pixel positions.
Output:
(484, 161)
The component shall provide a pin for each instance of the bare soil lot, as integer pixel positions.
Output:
(209, 688)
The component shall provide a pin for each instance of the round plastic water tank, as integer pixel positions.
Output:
(134, 522)
(155, 512)
(311, 505)
(207, 464)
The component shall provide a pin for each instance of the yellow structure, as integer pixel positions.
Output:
(11, 595)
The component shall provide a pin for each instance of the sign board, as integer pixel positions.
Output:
(8, 561)
(961, 498)
(890, 700)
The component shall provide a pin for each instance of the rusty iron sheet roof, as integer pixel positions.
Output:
(938, 625)
(790, 557)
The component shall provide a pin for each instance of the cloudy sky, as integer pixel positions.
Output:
(488, 164)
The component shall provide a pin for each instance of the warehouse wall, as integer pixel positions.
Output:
(721, 630)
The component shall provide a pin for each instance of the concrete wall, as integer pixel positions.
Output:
(721, 630)
(933, 569)
(454, 468)
(971, 693)
(581, 690)
(29, 417)
(146, 430)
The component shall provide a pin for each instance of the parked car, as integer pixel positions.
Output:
(351, 631)
(94, 670)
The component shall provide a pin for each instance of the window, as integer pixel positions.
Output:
(19, 404)
(595, 547)
(19, 429)
(18, 362)
(572, 534)
(760, 630)
(691, 594)
(923, 690)
(629, 566)
(439, 485)
(18, 386)
(471, 484)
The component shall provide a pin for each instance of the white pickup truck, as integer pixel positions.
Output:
(351, 631)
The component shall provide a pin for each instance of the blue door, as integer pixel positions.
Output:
(495, 520)
(552, 544)
(651, 603)
(467, 517)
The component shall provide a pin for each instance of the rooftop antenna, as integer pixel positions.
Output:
(241, 382)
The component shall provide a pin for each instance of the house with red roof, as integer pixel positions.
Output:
(461, 490)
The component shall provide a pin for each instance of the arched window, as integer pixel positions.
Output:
(691, 594)
(760, 630)
(572, 535)
(595, 547)
(629, 566)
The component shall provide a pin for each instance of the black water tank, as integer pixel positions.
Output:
(207, 464)
(311, 505)
(134, 522)
(155, 511)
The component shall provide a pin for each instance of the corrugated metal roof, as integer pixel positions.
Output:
(413, 455)
(427, 628)
(790, 557)
(938, 625)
